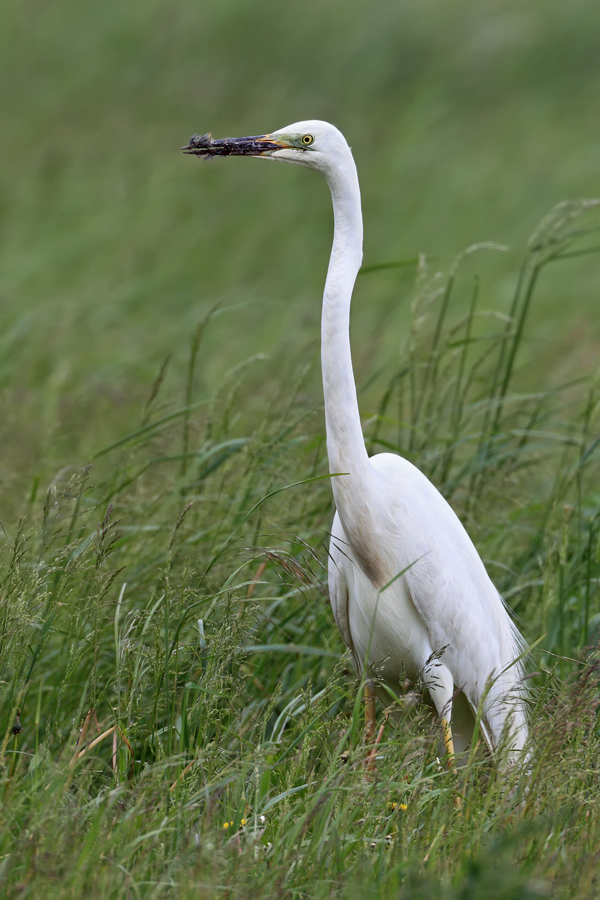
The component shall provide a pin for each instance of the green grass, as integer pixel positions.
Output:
(185, 701)
(165, 497)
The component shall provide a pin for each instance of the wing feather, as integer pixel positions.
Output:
(338, 587)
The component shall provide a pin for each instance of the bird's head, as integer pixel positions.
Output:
(314, 144)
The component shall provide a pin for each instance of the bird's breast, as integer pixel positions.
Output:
(384, 624)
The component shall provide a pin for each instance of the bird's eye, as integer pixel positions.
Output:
(307, 140)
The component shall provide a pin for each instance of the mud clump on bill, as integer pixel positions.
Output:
(202, 145)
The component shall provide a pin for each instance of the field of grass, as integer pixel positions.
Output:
(177, 714)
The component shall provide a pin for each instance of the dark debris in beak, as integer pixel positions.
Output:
(202, 145)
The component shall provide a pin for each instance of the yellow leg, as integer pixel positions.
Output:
(448, 742)
(369, 712)
(450, 761)
(370, 723)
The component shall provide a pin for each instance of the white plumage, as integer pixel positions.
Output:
(442, 619)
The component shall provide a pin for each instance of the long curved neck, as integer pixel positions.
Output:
(345, 444)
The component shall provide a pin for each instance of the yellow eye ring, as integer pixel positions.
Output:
(307, 140)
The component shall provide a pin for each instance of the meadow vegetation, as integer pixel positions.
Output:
(178, 717)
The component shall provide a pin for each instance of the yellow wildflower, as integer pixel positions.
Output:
(230, 824)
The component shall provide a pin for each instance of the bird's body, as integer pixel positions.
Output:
(411, 626)
(408, 590)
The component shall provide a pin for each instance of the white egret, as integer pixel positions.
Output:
(408, 589)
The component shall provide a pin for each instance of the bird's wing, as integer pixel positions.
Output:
(338, 586)
(448, 584)
(460, 621)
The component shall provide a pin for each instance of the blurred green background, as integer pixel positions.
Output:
(469, 121)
